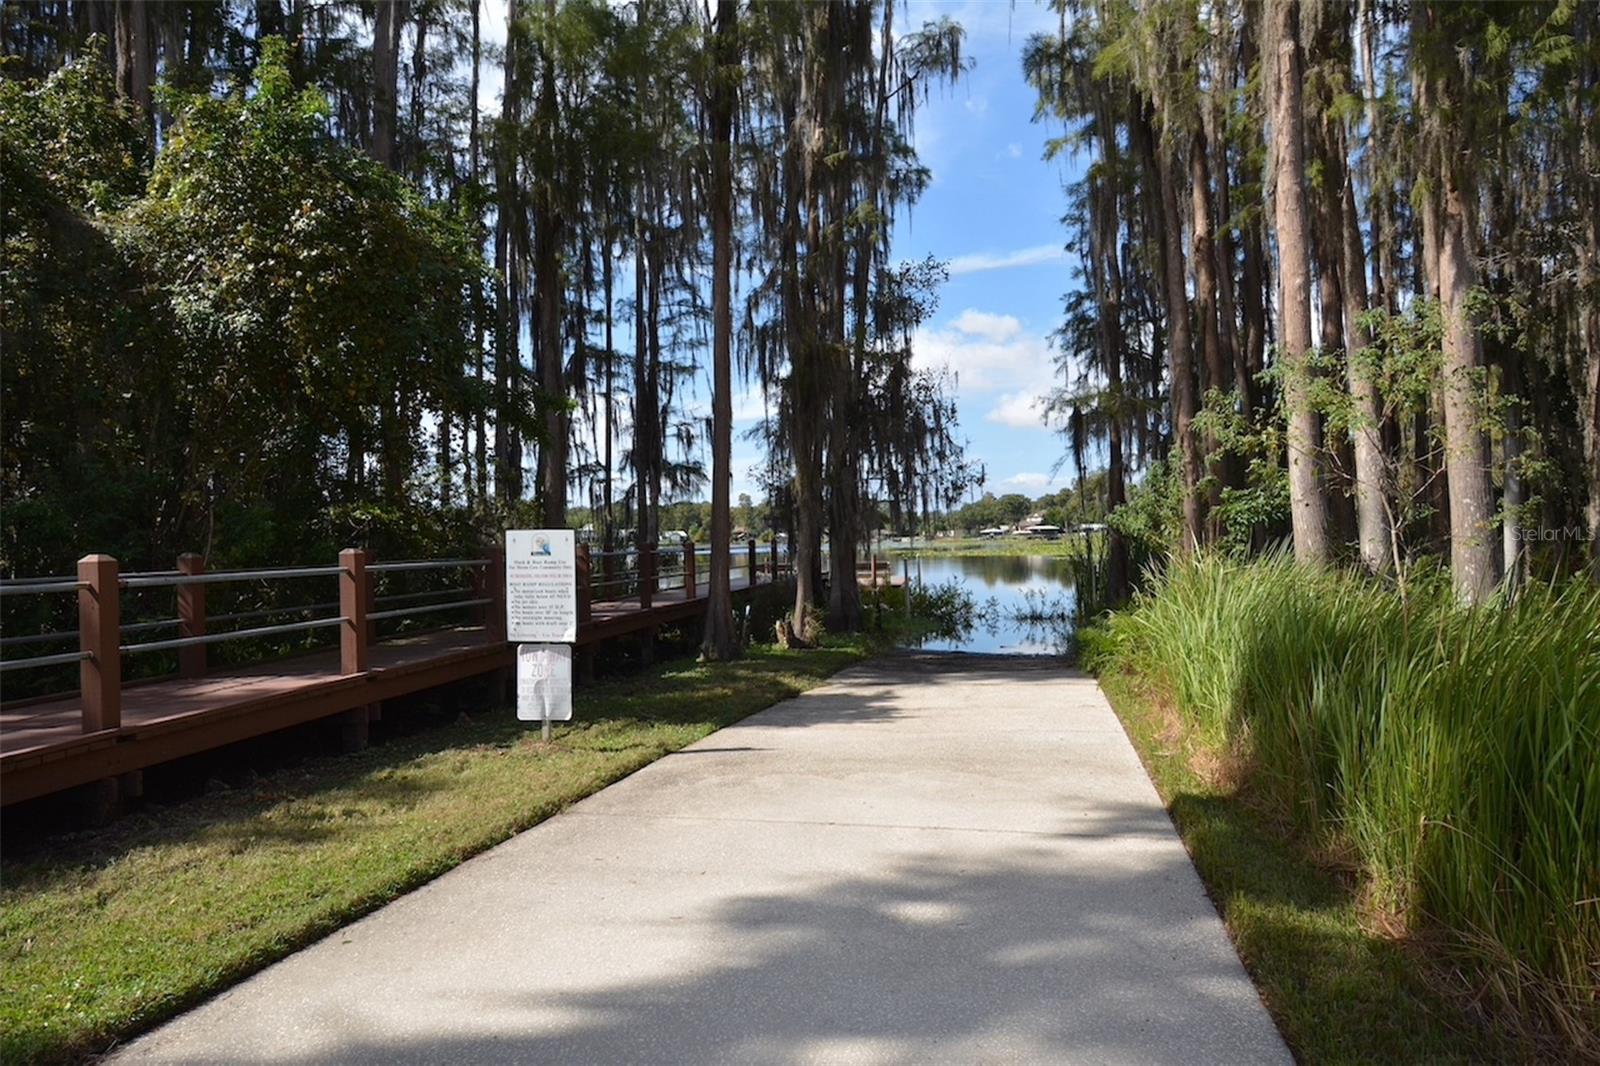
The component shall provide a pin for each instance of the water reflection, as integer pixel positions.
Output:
(1025, 603)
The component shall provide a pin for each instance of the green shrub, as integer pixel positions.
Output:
(1455, 751)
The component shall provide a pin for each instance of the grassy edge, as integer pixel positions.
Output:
(616, 755)
(1338, 991)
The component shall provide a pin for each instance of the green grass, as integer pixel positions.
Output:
(1450, 759)
(1070, 545)
(1339, 992)
(114, 930)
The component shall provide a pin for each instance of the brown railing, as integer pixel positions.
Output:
(101, 636)
(651, 575)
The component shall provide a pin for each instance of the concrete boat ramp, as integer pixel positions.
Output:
(932, 858)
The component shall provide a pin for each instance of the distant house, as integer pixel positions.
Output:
(1044, 531)
(993, 531)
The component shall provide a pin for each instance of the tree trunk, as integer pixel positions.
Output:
(1339, 485)
(505, 346)
(1307, 507)
(510, 254)
(419, 72)
(642, 404)
(719, 642)
(1472, 556)
(807, 328)
(1516, 493)
(480, 444)
(608, 283)
(387, 24)
(1372, 512)
(1180, 349)
(547, 238)
(1108, 306)
(1202, 253)
(136, 58)
(1588, 325)
(1253, 270)
(419, 75)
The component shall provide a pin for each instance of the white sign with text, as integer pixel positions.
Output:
(544, 683)
(541, 586)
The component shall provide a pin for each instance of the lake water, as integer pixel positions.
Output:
(1024, 602)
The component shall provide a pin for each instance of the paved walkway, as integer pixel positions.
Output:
(930, 859)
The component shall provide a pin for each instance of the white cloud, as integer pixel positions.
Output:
(1014, 150)
(987, 352)
(1020, 410)
(991, 327)
(1029, 482)
(749, 405)
(977, 262)
(976, 105)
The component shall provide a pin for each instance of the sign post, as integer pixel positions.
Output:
(542, 620)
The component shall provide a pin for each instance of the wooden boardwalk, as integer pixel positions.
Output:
(46, 746)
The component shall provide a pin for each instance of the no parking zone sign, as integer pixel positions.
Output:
(542, 620)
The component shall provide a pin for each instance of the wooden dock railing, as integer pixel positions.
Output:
(649, 575)
(102, 639)
(394, 639)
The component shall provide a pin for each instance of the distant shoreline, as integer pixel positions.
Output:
(1069, 544)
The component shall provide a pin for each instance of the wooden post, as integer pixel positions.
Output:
(584, 567)
(494, 620)
(608, 574)
(495, 579)
(355, 585)
(192, 616)
(647, 575)
(688, 570)
(750, 551)
(99, 634)
(583, 653)
(478, 589)
(774, 558)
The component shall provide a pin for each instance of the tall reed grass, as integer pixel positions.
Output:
(1454, 751)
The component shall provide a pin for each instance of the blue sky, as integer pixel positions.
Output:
(993, 212)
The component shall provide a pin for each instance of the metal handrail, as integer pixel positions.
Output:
(418, 595)
(236, 634)
(46, 638)
(140, 627)
(424, 564)
(45, 660)
(168, 580)
(267, 612)
(402, 612)
(28, 588)
(38, 638)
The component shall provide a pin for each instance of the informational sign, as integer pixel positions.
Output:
(541, 586)
(544, 683)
